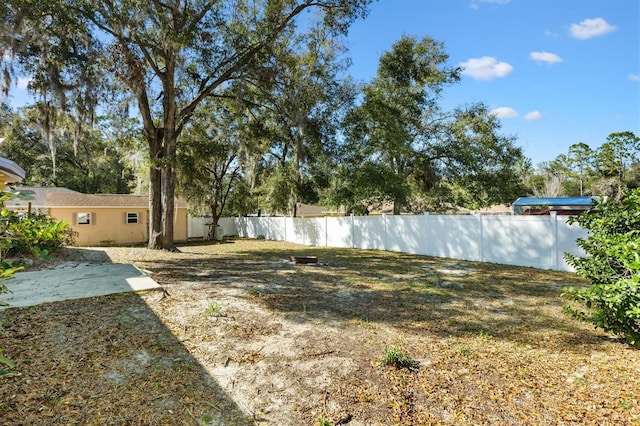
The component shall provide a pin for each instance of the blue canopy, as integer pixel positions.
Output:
(555, 201)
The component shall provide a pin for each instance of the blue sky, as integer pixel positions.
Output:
(557, 72)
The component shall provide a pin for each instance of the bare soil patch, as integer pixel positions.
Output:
(243, 336)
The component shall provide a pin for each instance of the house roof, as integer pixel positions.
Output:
(310, 210)
(38, 195)
(45, 197)
(496, 209)
(555, 201)
(96, 200)
(101, 200)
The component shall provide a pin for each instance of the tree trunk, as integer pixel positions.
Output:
(168, 206)
(170, 136)
(162, 184)
(155, 192)
(162, 151)
(215, 217)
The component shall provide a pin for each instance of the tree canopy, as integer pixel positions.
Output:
(168, 56)
(247, 104)
(402, 148)
(607, 170)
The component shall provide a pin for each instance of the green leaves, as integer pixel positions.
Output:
(402, 148)
(35, 234)
(606, 171)
(412, 62)
(5, 366)
(398, 358)
(613, 266)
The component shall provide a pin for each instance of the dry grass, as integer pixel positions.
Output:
(291, 344)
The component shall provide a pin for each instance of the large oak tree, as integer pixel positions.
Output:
(402, 148)
(168, 54)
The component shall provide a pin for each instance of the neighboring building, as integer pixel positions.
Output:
(10, 172)
(36, 198)
(111, 219)
(99, 219)
(496, 209)
(564, 206)
(310, 210)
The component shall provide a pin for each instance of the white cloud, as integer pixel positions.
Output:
(634, 77)
(23, 82)
(533, 115)
(485, 68)
(475, 4)
(590, 28)
(550, 58)
(504, 112)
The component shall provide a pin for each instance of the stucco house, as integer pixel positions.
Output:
(100, 219)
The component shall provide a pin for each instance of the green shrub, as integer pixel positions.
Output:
(612, 264)
(396, 357)
(34, 234)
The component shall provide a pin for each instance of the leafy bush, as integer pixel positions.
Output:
(612, 300)
(34, 234)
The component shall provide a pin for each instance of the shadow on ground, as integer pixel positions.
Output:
(417, 293)
(105, 360)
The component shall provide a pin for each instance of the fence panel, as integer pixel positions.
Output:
(368, 232)
(537, 241)
(315, 231)
(567, 236)
(456, 237)
(339, 232)
(197, 227)
(228, 225)
(520, 240)
(251, 227)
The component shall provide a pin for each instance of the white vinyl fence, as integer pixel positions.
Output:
(198, 226)
(536, 241)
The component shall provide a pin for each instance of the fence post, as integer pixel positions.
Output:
(554, 223)
(326, 231)
(427, 248)
(385, 235)
(480, 224)
(353, 232)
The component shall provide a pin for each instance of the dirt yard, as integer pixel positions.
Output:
(242, 336)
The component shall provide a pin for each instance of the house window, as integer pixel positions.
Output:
(83, 219)
(133, 217)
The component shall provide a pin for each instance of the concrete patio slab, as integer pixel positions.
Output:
(74, 281)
